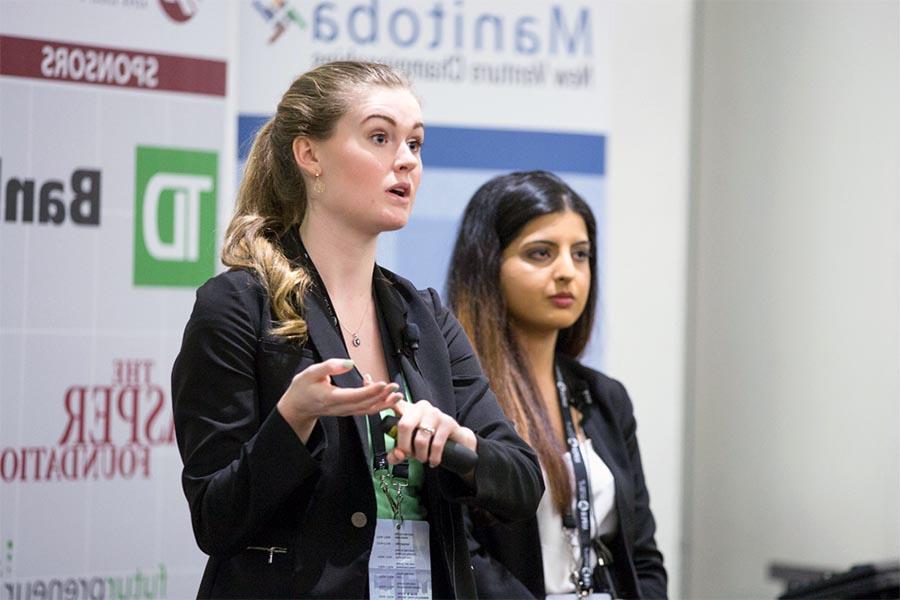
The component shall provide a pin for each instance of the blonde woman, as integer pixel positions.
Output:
(293, 359)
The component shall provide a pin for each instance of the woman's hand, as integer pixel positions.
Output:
(423, 431)
(312, 395)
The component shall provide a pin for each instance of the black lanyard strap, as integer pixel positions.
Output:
(582, 518)
(318, 286)
(379, 450)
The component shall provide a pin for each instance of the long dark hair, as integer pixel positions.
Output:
(495, 215)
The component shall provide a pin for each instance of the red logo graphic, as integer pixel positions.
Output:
(109, 433)
(179, 10)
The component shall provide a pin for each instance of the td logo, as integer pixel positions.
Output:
(175, 217)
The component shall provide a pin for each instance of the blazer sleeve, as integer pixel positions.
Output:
(648, 560)
(508, 481)
(493, 579)
(239, 465)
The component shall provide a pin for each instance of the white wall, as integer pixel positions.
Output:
(794, 378)
(647, 240)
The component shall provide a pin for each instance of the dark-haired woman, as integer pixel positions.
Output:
(291, 358)
(523, 284)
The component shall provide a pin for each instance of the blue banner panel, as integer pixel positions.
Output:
(494, 149)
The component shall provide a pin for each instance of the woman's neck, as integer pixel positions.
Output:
(344, 259)
(539, 348)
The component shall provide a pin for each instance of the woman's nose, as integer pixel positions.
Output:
(406, 159)
(565, 267)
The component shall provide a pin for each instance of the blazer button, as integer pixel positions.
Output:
(359, 519)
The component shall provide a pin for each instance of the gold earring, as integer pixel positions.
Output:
(318, 186)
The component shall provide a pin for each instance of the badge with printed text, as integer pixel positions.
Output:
(400, 563)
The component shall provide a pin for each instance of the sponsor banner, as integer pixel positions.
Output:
(76, 63)
(147, 583)
(117, 130)
(174, 216)
(534, 64)
(197, 28)
(105, 430)
(75, 199)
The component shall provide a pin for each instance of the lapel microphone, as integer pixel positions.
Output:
(411, 336)
(457, 459)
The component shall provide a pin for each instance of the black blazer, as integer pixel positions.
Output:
(507, 557)
(252, 485)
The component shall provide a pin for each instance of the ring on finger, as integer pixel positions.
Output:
(429, 430)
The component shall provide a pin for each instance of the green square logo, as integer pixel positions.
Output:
(175, 216)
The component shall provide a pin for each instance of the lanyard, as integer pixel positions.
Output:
(390, 479)
(318, 286)
(583, 578)
(379, 451)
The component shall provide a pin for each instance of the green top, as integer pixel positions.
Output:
(411, 508)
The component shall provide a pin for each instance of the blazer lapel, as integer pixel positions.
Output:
(598, 430)
(418, 387)
(328, 342)
(599, 426)
(396, 312)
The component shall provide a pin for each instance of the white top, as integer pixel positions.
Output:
(559, 548)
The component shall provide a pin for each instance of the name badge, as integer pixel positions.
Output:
(400, 563)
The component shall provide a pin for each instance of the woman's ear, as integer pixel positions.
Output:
(305, 156)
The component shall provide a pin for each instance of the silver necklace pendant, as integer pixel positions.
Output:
(356, 341)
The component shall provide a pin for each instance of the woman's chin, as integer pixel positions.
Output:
(395, 226)
(394, 221)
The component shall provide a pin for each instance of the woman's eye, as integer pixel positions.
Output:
(415, 146)
(538, 254)
(379, 138)
(582, 255)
